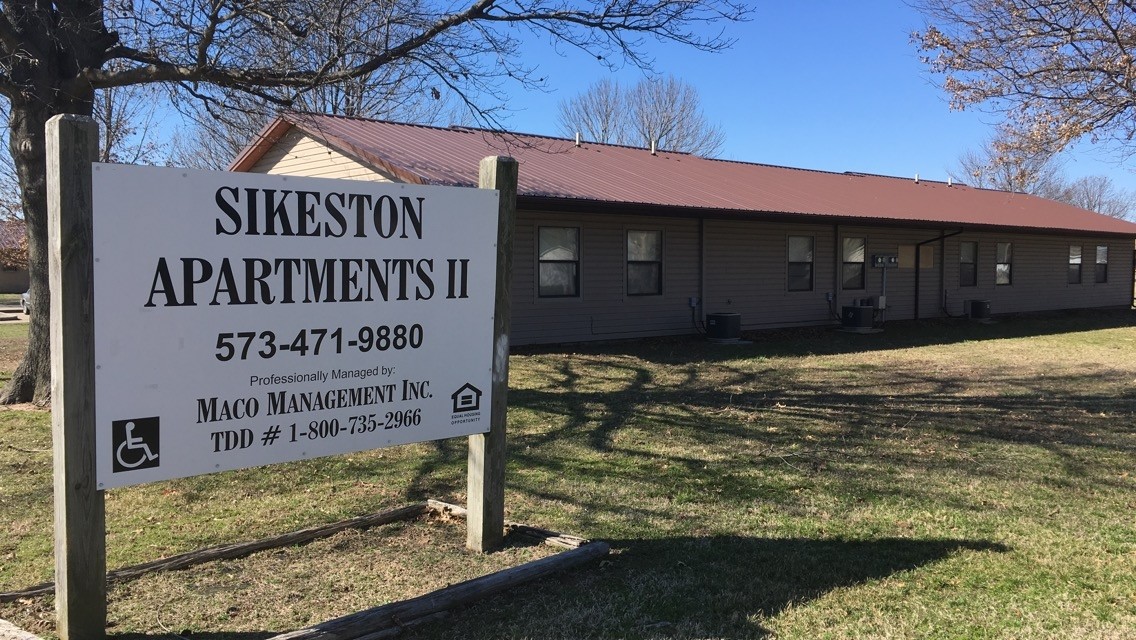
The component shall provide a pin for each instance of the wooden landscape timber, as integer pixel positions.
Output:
(551, 538)
(391, 619)
(238, 549)
(388, 620)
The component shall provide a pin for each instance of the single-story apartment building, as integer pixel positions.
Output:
(617, 242)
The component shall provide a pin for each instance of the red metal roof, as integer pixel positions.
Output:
(553, 168)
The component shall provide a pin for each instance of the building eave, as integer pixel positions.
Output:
(560, 205)
(265, 140)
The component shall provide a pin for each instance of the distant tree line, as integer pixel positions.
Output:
(1010, 163)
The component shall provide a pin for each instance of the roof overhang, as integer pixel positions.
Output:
(558, 205)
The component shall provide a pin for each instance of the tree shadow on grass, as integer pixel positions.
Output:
(718, 586)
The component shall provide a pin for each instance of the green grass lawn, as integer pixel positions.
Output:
(945, 480)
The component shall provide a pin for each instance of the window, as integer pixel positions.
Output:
(968, 264)
(853, 271)
(1102, 264)
(1074, 264)
(1004, 264)
(800, 263)
(558, 258)
(644, 263)
(907, 256)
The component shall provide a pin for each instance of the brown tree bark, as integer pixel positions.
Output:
(31, 382)
(32, 379)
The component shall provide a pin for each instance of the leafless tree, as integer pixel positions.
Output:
(1009, 163)
(400, 90)
(128, 121)
(54, 56)
(599, 114)
(665, 112)
(669, 112)
(1100, 194)
(1059, 70)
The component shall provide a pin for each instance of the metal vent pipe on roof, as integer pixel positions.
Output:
(577, 138)
(652, 146)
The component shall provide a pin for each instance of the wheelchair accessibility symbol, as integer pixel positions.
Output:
(135, 443)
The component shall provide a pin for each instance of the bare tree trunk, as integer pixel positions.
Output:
(32, 379)
(26, 140)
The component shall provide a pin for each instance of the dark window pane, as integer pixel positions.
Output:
(558, 279)
(1102, 273)
(968, 252)
(968, 274)
(800, 249)
(644, 278)
(853, 276)
(1075, 273)
(800, 276)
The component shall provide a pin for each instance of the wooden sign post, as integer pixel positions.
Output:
(80, 516)
(485, 492)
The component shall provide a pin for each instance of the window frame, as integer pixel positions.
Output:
(789, 263)
(1076, 264)
(1100, 269)
(973, 264)
(1008, 263)
(862, 263)
(539, 262)
(628, 262)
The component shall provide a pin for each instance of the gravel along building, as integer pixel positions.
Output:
(618, 242)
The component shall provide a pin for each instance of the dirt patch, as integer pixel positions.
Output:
(25, 406)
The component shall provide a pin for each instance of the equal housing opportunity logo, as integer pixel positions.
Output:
(467, 404)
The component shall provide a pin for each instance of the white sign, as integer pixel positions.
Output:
(247, 319)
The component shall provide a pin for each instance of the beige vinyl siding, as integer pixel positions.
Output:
(746, 267)
(747, 272)
(603, 311)
(1040, 266)
(900, 281)
(298, 154)
(13, 281)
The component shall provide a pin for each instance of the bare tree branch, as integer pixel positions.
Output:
(663, 112)
(1059, 70)
(1010, 163)
(349, 55)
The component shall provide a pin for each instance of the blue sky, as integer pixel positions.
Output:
(825, 85)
